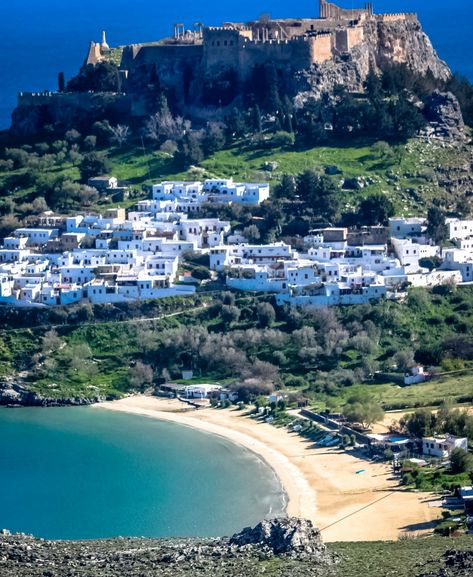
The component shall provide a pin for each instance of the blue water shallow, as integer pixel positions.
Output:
(80, 473)
(40, 38)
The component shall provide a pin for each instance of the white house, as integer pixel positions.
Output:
(201, 391)
(400, 227)
(441, 447)
(459, 229)
(409, 252)
(459, 260)
(416, 375)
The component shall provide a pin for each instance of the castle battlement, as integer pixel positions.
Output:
(397, 16)
(292, 44)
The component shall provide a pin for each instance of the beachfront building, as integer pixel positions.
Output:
(441, 447)
(201, 391)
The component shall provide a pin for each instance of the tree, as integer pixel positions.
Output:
(230, 314)
(376, 209)
(101, 77)
(120, 133)
(214, 137)
(72, 136)
(189, 150)
(140, 376)
(266, 314)
(437, 228)
(60, 82)
(79, 357)
(50, 342)
(257, 124)
(250, 389)
(90, 142)
(418, 424)
(320, 193)
(93, 164)
(363, 409)
(252, 233)
(8, 223)
(286, 188)
(383, 150)
(404, 359)
(39, 205)
(461, 461)
(162, 125)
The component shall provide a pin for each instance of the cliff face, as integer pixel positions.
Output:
(386, 43)
(403, 41)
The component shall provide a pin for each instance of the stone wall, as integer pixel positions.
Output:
(321, 48)
(222, 48)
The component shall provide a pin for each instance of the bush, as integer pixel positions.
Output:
(461, 461)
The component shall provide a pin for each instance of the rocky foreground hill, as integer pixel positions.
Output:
(278, 548)
(275, 548)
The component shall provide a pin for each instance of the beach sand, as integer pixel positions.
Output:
(321, 484)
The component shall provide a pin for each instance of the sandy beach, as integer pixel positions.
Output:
(321, 484)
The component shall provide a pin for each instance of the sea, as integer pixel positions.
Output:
(85, 472)
(39, 38)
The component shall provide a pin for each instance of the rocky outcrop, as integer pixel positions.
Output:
(350, 72)
(280, 548)
(403, 41)
(444, 116)
(17, 395)
(296, 538)
(386, 44)
(456, 564)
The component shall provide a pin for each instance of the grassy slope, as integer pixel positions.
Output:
(404, 558)
(449, 388)
(406, 177)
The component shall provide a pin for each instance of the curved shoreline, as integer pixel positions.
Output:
(299, 496)
(323, 485)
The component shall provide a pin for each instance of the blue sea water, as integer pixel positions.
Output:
(39, 38)
(78, 473)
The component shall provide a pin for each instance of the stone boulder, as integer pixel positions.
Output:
(444, 116)
(455, 564)
(288, 537)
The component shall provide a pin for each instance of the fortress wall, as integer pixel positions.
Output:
(355, 36)
(77, 99)
(221, 47)
(399, 17)
(290, 54)
(167, 54)
(321, 48)
(346, 39)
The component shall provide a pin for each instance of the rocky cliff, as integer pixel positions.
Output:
(15, 394)
(386, 43)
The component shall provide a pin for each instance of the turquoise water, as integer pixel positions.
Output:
(39, 38)
(78, 473)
